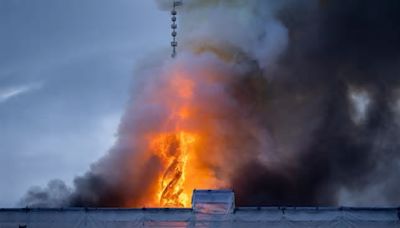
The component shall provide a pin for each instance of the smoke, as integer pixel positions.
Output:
(297, 103)
(56, 194)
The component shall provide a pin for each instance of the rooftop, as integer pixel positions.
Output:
(209, 209)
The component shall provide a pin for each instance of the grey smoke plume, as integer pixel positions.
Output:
(305, 99)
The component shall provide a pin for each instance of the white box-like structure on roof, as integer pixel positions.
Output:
(213, 201)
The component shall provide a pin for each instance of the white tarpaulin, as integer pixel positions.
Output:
(240, 217)
(213, 201)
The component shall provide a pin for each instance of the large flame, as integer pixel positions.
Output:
(177, 146)
(174, 150)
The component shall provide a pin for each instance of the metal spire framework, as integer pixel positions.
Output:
(174, 26)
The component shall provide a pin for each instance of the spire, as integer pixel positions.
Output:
(174, 26)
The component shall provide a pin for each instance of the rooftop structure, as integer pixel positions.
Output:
(213, 201)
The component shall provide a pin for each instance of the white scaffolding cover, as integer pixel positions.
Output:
(240, 217)
(213, 201)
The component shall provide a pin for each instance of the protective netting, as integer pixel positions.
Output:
(241, 217)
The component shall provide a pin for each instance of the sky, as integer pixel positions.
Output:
(66, 70)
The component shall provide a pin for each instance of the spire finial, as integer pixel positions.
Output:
(174, 26)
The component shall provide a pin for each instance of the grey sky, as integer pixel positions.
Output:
(65, 72)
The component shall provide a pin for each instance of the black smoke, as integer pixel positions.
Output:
(332, 47)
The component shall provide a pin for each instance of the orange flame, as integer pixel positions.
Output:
(177, 147)
(174, 150)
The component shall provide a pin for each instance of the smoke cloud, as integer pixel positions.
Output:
(298, 103)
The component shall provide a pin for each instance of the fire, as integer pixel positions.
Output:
(177, 146)
(174, 150)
